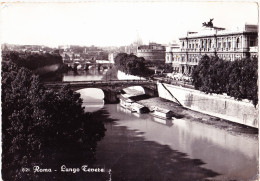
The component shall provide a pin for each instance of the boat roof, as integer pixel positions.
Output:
(137, 105)
(126, 95)
(161, 110)
(126, 99)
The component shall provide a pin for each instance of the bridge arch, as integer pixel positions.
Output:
(93, 98)
(110, 88)
(111, 95)
(134, 89)
(76, 65)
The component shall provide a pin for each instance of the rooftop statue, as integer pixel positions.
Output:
(208, 24)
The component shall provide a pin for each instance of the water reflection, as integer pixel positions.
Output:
(93, 106)
(233, 156)
(167, 122)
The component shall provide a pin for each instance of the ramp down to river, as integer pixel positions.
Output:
(175, 100)
(242, 112)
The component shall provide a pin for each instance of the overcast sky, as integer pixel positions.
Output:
(115, 23)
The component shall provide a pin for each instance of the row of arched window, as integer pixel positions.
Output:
(209, 43)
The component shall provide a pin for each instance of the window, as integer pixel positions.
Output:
(224, 45)
(238, 42)
(252, 43)
(229, 45)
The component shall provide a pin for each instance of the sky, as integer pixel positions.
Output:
(116, 23)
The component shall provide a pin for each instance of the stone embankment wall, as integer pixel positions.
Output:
(221, 106)
(124, 76)
(225, 107)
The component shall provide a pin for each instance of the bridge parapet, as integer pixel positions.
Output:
(112, 84)
(110, 88)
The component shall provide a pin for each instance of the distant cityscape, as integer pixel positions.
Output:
(182, 56)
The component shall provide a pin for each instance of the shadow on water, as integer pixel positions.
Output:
(140, 97)
(131, 157)
(74, 155)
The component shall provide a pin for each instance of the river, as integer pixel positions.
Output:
(142, 147)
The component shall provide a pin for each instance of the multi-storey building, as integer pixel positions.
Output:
(111, 57)
(153, 52)
(228, 45)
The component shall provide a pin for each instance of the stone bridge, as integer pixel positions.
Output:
(86, 65)
(98, 65)
(110, 88)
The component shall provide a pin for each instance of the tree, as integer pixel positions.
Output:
(200, 74)
(168, 68)
(238, 78)
(243, 79)
(32, 61)
(132, 64)
(40, 125)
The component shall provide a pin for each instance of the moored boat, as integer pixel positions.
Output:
(139, 108)
(162, 113)
(167, 122)
(126, 103)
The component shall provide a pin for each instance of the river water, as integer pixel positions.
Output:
(142, 147)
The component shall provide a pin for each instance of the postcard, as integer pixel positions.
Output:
(129, 90)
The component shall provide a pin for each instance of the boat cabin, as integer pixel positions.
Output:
(139, 108)
(125, 102)
(163, 113)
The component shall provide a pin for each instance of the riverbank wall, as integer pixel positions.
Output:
(225, 107)
(123, 76)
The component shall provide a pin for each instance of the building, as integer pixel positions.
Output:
(153, 52)
(228, 45)
(172, 53)
(111, 57)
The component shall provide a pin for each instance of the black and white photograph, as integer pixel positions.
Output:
(125, 90)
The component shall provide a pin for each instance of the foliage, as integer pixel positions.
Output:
(243, 78)
(168, 68)
(131, 64)
(32, 61)
(237, 78)
(111, 74)
(42, 127)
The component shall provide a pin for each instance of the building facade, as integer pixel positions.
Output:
(111, 57)
(228, 45)
(153, 52)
